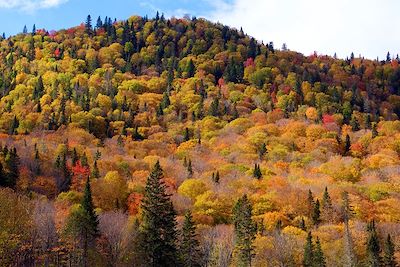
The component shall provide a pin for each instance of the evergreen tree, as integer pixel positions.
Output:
(244, 230)
(374, 130)
(88, 25)
(373, 247)
(319, 258)
(37, 169)
(302, 224)
(215, 177)
(310, 203)
(165, 102)
(347, 145)
(262, 151)
(158, 229)
(191, 69)
(326, 204)
(63, 166)
(95, 170)
(214, 107)
(189, 247)
(308, 258)
(389, 259)
(14, 126)
(190, 169)
(316, 213)
(257, 171)
(84, 160)
(355, 126)
(74, 157)
(186, 136)
(12, 165)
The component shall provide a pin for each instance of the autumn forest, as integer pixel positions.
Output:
(182, 142)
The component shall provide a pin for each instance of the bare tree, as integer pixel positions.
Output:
(114, 228)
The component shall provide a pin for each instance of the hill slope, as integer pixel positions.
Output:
(224, 114)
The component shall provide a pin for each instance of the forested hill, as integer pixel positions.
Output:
(247, 154)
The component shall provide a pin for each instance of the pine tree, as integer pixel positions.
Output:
(319, 258)
(310, 203)
(316, 213)
(244, 230)
(14, 126)
(88, 25)
(95, 171)
(165, 102)
(257, 171)
(373, 247)
(327, 207)
(186, 136)
(189, 247)
(389, 259)
(347, 145)
(347, 210)
(158, 229)
(12, 165)
(262, 151)
(190, 169)
(191, 69)
(374, 130)
(308, 258)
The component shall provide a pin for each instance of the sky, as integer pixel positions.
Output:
(365, 27)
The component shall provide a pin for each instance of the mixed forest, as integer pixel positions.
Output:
(182, 142)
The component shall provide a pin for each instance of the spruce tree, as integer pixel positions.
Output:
(214, 108)
(12, 165)
(190, 169)
(373, 247)
(262, 151)
(374, 130)
(308, 258)
(95, 171)
(310, 203)
(347, 145)
(189, 247)
(316, 213)
(389, 259)
(244, 230)
(191, 69)
(319, 258)
(257, 171)
(158, 229)
(186, 136)
(327, 207)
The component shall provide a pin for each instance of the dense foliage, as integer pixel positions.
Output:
(248, 154)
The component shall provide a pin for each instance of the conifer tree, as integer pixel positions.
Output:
(190, 169)
(165, 102)
(244, 230)
(191, 69)
(12, 165)
(389, 259)
(88, 24)
(347, 210)
(355, 126)
(308, 258)
(327, 207)
(158, 229)
(95, 170)
(257, 171)
(214, 108)
(373, 247)
(319, 258)
(262, 151)
(215, 177)
(186, 136)
(189, 247)
(347, 145)
(310, 203)
(374, 130)
(316, 213)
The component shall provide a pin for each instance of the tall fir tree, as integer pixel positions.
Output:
(389, 259)
(158, 229)
(373, 247)
(308, 258)
(189, 247)
(244, 230)
(319, 258)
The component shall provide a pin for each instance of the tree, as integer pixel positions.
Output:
(389, 259)
(347, 210)
(257, 171)
(95, 171)
(347, 145)
(374, 130)
(319, 258)
(12, 165)
(190, 169)
(308, 258)
(190, 69)
(186, 136)
(326, 205)
(88, 25)
(262, 151)
(316, 213)
(189, 247)
(214, 107)
(215, 177)
(82, 223)
(158, 229)
(244, 230)
(373, 247)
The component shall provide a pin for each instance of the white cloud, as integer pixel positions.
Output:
(30, 5)
(327, 26)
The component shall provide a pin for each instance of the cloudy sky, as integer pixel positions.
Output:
(366, 27)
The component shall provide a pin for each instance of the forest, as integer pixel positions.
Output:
(182, 142)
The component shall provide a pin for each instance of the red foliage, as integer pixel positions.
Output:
(221, 82)
(57, 53)
(326, 119)
(133, 203)
(249, 62)
(79, 176)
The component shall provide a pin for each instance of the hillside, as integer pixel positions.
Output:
(313, 142)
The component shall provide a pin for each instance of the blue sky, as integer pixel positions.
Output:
(365, 27)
